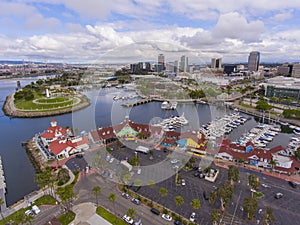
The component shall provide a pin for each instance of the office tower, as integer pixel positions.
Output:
(184, 64)
(161, 61)
(176, 66)
(253, 61)
(216, 63)
(296, 70)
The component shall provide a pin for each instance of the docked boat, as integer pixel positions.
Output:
(169, 105)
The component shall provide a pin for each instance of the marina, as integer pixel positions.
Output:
(172, 123)
(116, 98)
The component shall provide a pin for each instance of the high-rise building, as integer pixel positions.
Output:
(216, 63)
(296, 70)
(253, 61)
(176, 66)
(161, 61)
(184, 64)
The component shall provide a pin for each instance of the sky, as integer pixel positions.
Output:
(91, 31)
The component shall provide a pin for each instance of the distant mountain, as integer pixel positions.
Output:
(18, 62)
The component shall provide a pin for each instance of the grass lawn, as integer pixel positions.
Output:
(247, 106)
(109, 216)
(258, 194)
(45, 200)
(52, 100)
(13, 218)
(30, 105)
(67, 217)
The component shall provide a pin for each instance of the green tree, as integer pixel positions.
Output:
(225, 194)
(163, 192)
(263, 105)
(297, 154)
(250, 206)
(268, 216)
(112, 199)
(253, 181)
(66, 194)
(195, 203)
(28, 219)
(212, 196)
(45, 179)
(131, 212)
(233, 174)
(215, 216)
(96, 192)
(178, 201)
(134, 161)
(63, 176)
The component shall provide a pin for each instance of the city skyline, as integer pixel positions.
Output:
(74, 31)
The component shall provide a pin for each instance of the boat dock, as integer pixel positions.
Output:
(2, 187)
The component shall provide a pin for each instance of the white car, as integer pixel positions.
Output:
(139, 171)
(193, 217)
(166, 217)
(127, 219)
(35, 209)
(265, 185)
(111, 160)
(183, 182)
(173, 161)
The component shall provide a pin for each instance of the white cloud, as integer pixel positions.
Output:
(233, 25)
(282, 16)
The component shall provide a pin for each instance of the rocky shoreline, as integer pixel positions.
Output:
(10, 110)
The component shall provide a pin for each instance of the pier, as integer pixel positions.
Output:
(140, 102)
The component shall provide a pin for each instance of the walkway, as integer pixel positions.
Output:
(86, 214)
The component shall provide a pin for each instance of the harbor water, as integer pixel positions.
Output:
(103, 111)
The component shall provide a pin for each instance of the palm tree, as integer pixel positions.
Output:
(225, 194)
(66, 195)
(112, 198)
(250, 205)
(253, 181)
(163, 192)
(178, 200)
(233, 174)
(215, 216)
(212, 196)
(269, 217)
(131, 212)
(96, 191)
(195, 203)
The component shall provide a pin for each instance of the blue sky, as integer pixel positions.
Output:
(101, 30)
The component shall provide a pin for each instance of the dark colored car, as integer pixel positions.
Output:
(155, 211)
(196, 174)
(293, 184)
(79, 156)
(177, 222)
(205, 196)
(136, 201)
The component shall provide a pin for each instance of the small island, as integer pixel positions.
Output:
(42, 99)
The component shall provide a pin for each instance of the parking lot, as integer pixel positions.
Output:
(76, 163)
(285, 209)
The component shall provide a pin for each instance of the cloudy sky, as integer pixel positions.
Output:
(95, 30)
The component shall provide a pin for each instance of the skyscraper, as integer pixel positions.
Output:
(184, 63)
(161, 61)
(253, 61)
(216, 63)
(176, 66)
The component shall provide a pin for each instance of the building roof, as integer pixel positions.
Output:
(54, 132)
(60, 145)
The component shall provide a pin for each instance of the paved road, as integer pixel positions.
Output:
(84, 191)
(47, 213)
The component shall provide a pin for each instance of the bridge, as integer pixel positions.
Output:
(140, 102)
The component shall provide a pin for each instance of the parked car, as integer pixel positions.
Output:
(79, 156)
(183, 182)
(196, 174)
(139, 171)
(193, 217)
(127, 219)
(166, 217)
(107, 158)
(111, 160)
(173, 161)
(28, 212)
(293, 184)
(35, 210)
(155, 211)
(205, 195)
(125, 195)
(278, 195)
(136, 201)
(201, 175)
(177, 222)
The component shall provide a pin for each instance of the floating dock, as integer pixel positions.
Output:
(2, 187)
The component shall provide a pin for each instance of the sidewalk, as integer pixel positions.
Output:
(273, 174)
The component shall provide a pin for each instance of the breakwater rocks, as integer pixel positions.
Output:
(35, 156)
(10, 110)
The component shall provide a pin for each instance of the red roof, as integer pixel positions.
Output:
(58, 146)
(51, 131)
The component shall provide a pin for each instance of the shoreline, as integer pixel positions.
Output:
(10, 110)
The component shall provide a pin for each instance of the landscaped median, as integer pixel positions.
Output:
(109, 216)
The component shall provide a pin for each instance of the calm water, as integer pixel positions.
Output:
(103, 112)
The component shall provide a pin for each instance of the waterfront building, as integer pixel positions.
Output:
(258, 157)
(282, 87)
(184, 64)
(253, 61)
(52, 133)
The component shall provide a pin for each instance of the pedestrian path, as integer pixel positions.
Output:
(86, 214)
